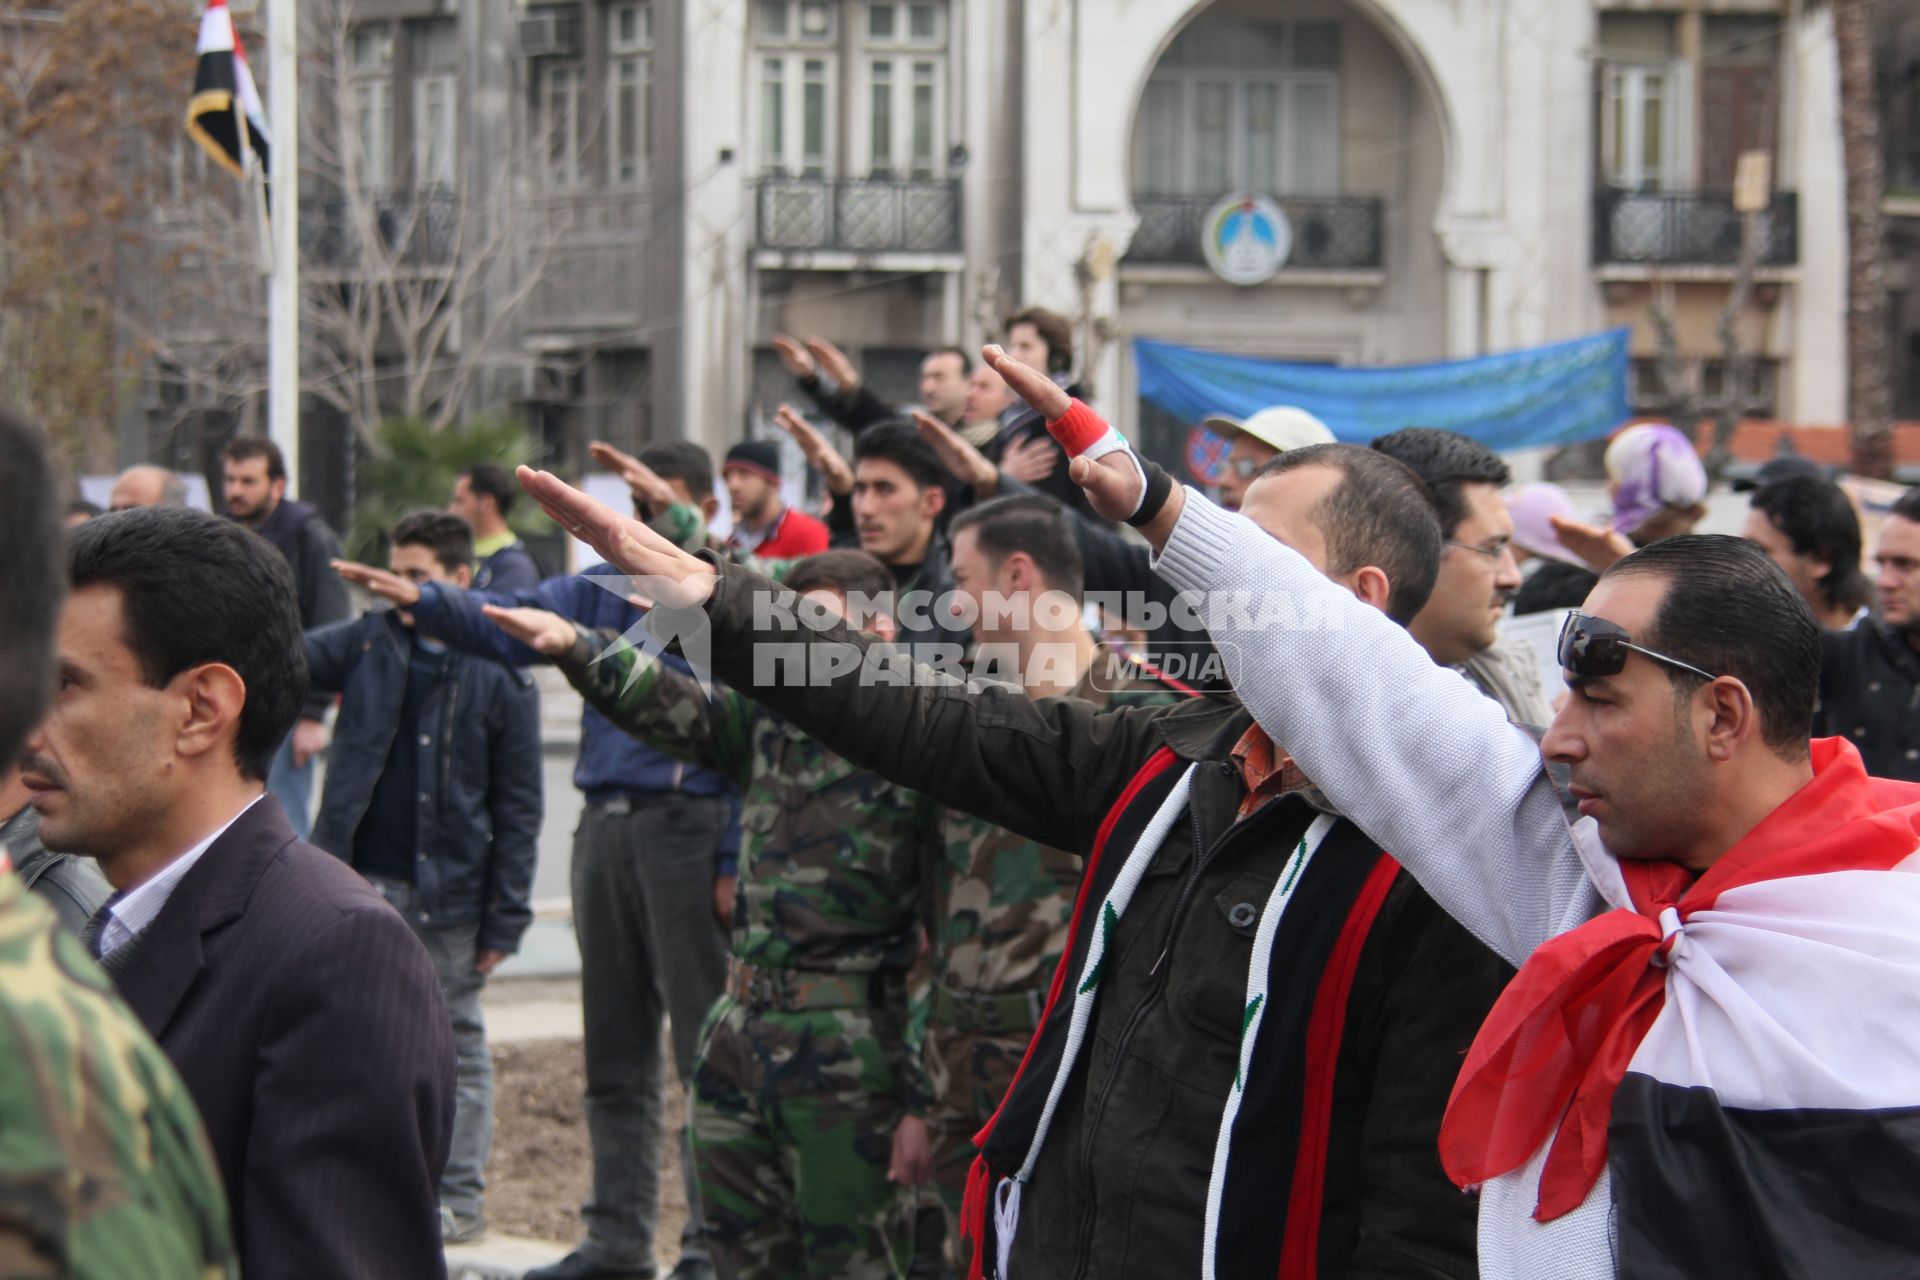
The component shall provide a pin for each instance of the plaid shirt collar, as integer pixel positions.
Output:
(1270, 772)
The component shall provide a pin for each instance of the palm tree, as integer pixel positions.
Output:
(1869, 350)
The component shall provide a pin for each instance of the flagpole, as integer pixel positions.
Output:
(283, 303)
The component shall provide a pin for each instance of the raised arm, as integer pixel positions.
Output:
(1422, 761)
(989, 750)
(650, 698)
(1408, 750)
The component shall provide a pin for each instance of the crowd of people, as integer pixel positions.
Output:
(1030, 865)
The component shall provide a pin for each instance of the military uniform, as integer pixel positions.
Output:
(1003, 904)
(807, 1064)
(105, 1171)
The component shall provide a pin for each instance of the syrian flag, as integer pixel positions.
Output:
(223, 95)
(1732, 1061)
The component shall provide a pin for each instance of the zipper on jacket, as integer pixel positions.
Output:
(1157, 984)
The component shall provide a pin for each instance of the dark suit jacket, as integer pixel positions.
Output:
(306, 1020)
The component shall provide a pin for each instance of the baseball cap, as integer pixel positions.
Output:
(1283, 427)
(1786, 467)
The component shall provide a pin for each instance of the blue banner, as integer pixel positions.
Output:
(1558, 394)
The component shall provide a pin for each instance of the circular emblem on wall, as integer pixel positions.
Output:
(1246, 239)
(1207, 455)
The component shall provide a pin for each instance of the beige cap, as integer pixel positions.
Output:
(1283, 426)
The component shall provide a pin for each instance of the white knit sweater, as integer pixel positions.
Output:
(1432, 770)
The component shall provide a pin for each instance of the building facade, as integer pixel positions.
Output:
(896, 175)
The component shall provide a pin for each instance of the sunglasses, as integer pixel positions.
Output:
(1592, 647)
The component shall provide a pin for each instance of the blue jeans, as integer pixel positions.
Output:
(463, 1187)
(293, 787)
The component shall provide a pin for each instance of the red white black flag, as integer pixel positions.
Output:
(224, 96)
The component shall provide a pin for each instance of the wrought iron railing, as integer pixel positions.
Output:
(1688, 228)
(862, 215)
(1329, 232)
(418, 228)
(593, 267)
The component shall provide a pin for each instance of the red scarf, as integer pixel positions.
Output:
(1557, 1043)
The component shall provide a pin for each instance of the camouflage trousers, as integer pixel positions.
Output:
(793, 1120)
(970, 1071)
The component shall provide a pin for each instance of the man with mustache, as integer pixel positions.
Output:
(300, 1010)
(1709, 1062)
(104, 1163)
(1460, 625)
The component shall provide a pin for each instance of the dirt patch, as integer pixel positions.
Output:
(541, 1170)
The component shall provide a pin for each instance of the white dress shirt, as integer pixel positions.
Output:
(128, 915)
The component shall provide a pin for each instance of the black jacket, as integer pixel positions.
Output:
(1870, 695)
(1121, 1185)
(1020, 423)
(1118, 568)
(71, 885)
(479, 764)
(307, 1023)
(302, 535)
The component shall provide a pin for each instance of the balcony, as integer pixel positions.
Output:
(418, 228)
(857, 216)
(1330, 233)
(590, 263)
(1643, 229)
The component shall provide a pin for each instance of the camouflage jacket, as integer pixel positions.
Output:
(1003, 901)
(834, 860)
(105, 1171)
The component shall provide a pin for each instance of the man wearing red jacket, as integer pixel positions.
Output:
(763, 525)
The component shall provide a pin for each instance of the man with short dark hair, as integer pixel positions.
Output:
(652, 884)
(256, 495)
(898, 496)
(302, 1014)
(1460, 625)
(763, 524)
(807, 1066)
(1002, 902)
(1808, 526)
(435, 798)
(104, 1162)
(852, 404)
(483, 496)
(1870, 673)
(1241, 1067)
(1715, 994)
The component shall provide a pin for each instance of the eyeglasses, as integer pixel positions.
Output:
(1499, 548)
(1245, 468)
(1593, 647)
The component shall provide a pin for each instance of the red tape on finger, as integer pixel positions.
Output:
(1079, 429)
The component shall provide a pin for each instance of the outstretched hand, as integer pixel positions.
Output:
(967, 463)
(834, 363)
(387, 586)
(1596, 544)
(799, 361)
(672, 576)
(821, 455)
(641, 480)
(541, 631)
(1113, 481)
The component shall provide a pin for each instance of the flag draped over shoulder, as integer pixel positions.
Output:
(1740, 1052)
(224, 95)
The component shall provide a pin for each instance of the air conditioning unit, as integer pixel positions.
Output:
(549, 34)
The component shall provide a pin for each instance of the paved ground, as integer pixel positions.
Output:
(540, 1170)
